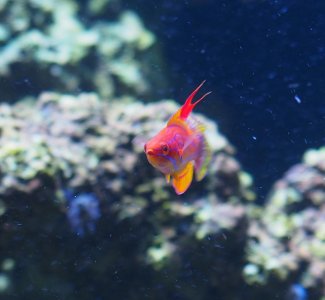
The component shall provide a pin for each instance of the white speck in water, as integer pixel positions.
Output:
(254, 137)
(297, 98)
(293, 85)
(4, 283)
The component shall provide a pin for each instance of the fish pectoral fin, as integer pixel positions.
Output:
(197, 134)
(167, 176)
(182, 179)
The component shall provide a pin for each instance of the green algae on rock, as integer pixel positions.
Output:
(288, 239)
(84, 144)
(67, 49)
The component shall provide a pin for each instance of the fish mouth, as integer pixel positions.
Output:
(154, 158)
(150, 152)
(147, 151)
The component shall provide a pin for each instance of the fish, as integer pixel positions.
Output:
(180, 149)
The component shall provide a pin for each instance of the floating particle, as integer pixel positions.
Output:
(297, 98)
(4, 283)
(293, 85)
(8, 264)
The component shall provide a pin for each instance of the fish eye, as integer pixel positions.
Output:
(164, 148)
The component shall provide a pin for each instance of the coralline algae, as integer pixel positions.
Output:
(82, 211)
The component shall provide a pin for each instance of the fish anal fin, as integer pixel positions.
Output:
(183, 178)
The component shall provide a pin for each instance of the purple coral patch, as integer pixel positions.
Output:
(83, 212)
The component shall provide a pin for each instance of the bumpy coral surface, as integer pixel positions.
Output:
(67, 49)
(73, 170)
(288, 238)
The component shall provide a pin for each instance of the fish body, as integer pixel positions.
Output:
(180, 148)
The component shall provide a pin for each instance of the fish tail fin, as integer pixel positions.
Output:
(203, 160)
(182, 179)
(188, 106)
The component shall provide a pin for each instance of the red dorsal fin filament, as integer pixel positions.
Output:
(188, 105)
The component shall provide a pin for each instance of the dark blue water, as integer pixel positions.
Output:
(264, 61)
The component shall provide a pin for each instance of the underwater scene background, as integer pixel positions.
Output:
(85, 83)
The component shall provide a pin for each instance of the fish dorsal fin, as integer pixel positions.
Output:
(183, 178)
(183, 113)
(176, 120)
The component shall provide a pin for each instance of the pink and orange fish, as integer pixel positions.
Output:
(180, 148)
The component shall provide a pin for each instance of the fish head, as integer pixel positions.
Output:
(161, 153)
